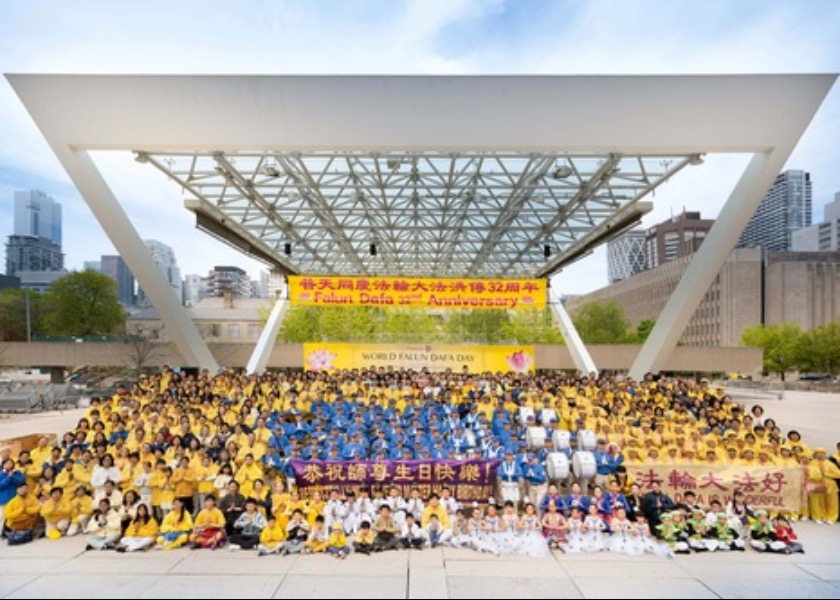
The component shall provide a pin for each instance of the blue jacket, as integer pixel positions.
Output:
(9, 483)
(509, 472)
(534, 474)
(607, 463)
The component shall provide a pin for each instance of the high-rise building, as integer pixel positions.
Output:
(626, 255)
(37, 215)
(28, 253)
(785, 208)
(677, 237)
(164, 258)
(35, 243)
(228, 279)
(115, 268)
(821, 237)
(92, 265)
(193, 289)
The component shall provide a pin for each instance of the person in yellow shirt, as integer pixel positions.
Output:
(337, 544)
(21, 514)
(184, 480)
(822, 496)
(209, 526)
(140, 533)
(176, 527)
(82, 509)
(247, 474)
(41, 453)
(57, 512)
(434, 507)
(272, 537)
(206, 475)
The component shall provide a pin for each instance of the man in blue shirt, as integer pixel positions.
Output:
(535, 480)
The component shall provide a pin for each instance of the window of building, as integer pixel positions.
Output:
(233, 328)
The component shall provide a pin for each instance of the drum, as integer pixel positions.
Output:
(583, 465)
(524, 413)
(547, 416)
(535, 437)
(510, 492)
(587, 440)
(561, 438)
(557, 466)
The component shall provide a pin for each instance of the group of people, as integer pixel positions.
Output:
(204, 460)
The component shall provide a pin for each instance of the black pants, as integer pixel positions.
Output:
(189, 506)
(362, 548)
(245, 541)
(385, 541)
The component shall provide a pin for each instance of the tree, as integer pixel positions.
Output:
(602, 322)
(782, 345)
(475, 325)
(299, 325)
(531, 326)
(348, 323)
(84, 303)
(409, 325)
(140, 351)
(13, 314)
(819, 349)
(643, 330)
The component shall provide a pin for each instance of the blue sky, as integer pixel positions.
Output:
(411, 36)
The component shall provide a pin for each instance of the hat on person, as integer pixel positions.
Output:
(760, 513)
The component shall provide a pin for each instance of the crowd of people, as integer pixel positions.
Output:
(205, 461)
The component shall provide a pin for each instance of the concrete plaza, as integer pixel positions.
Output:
(62, 569)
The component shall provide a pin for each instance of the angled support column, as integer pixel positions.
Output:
(268, 336)
(126, 240)
(580, 355)
(708, 261)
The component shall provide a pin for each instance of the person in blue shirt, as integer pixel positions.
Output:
(458, 441)
(510, 476)
(552, 496)
(606, 462)
(10, 479)
(576, 499)
(533, 474)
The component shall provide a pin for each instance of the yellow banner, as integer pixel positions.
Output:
(415, 292)
(771, 488)
(434, 357)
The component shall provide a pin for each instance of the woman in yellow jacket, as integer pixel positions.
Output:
(176, 528)
(140, 533)
(822, 496)
(57, 512)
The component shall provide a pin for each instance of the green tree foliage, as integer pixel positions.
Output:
(409, 325)
(602, 322)
(531, 327)
(299, 325)
(348, 323)
(782, 344)
(475, 325)
(643, 330)
(13, 314)
(819, 350)
(84, 303)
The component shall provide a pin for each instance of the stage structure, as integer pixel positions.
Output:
(461, 176)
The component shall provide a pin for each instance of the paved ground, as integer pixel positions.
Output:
(61, 569)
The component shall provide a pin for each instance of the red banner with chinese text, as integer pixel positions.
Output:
(771, 488)
(417, 292)
(469, 480)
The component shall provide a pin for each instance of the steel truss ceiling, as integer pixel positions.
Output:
(467, 214)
